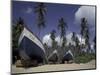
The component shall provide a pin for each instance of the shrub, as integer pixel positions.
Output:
(84, 58)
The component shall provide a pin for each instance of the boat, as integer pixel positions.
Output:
(68, 57)
(31, 48)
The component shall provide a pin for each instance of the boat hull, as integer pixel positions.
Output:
(32, 49)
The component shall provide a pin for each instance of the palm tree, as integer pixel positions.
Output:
(76, 40)
(16, 31)
(64, 41)
(40, 9)
(52, 36)
(17, 28)
(87, 39)
(73, 36)
(85, 32)
(83, 25)
(62, 26)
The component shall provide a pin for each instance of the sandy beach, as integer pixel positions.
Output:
(55, 67)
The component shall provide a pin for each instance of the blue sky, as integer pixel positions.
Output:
(70, 13)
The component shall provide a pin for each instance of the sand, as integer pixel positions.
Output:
(55, 67)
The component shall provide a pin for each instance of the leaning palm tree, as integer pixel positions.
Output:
(40, 9)
(62, 26)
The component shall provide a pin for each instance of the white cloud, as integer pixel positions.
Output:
(89, 13)
(29, 10)
(81, 40)
(59, 41)
(85, 11)
(69, 40)
(48, 41)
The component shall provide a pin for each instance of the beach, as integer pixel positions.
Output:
(55, 67)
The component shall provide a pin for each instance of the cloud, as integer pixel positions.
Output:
(81, 40)
(89, 13)
(48, 41)
(69, 40)
(85, 11)
(59, 40)
(29, 10)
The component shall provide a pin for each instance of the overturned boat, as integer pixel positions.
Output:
(68, 57)
(31, 49)
(53, 57)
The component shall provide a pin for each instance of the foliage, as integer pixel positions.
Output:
(85, 31)
(17, 28)
(75, 39)
(77, 46)
(40, 9)
(62, 26)
(83, 26)
(16, 31)
(84, 58)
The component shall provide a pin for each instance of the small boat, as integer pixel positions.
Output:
(53, 57)
(68, 57)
